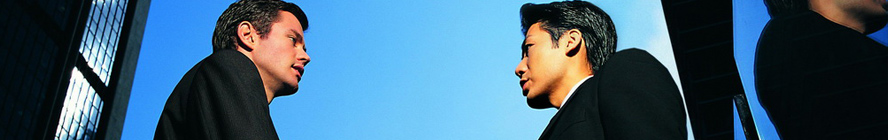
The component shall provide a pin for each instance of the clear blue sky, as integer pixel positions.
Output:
(394, 69)
(750, 17)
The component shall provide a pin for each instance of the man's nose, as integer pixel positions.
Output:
(304, 58)
(521, 68)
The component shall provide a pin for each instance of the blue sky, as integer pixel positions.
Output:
(395, 69)
(750, 18)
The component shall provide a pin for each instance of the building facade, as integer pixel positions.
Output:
(67, 66)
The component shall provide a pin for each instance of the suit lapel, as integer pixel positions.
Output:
(552, 123)
(575, 110)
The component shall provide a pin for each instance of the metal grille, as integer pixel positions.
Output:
(82, 110)
(82, 107)
(101, 36)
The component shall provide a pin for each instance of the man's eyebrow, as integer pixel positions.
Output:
(523, 48)
(298, 36)
(524, 45)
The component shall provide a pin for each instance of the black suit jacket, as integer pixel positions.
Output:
(222, 97)
(821, 80)
(632, 96)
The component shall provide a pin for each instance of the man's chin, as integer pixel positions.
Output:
(539, 102)
(876, 23)
(289, 92)
(286, 91)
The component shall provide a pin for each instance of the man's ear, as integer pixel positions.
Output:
(573, 39)
(247, 36)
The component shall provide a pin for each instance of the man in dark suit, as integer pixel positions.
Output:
(817, 73)
(568, 62)
(258, 54)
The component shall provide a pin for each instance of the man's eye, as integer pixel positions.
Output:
(525, 49)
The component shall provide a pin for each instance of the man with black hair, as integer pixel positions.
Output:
(817, 73)
(568, 62)
(258, 54)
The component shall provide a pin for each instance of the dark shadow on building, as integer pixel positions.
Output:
(702, 40)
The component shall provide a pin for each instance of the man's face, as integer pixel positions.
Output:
(282, 55)
(541, 67)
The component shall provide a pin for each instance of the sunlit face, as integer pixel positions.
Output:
(541, 67)
(281, 55)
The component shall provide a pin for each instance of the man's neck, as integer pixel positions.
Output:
(269, 94)
(269, 89)
(835, 14)
(570, 79)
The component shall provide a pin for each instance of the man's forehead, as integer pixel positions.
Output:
(288, 21)
(536, 26)
(531, 35)
(535, 29)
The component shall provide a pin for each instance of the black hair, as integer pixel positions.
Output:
(260, 13)
(556, 18)
(785, 7)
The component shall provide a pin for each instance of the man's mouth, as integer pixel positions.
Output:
(299, 71)
(523, 85)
